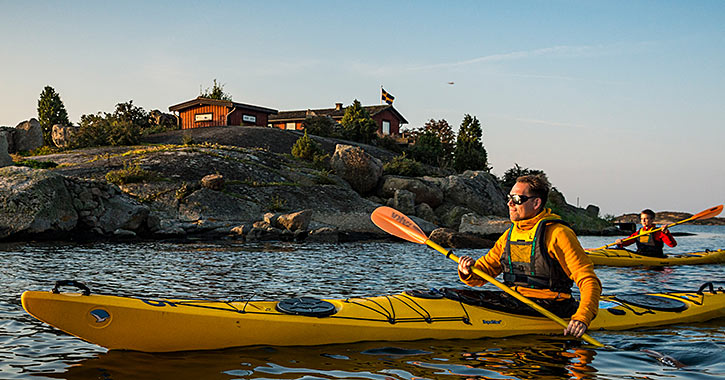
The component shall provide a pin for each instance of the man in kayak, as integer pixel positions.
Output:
(540, 258)
(649, 245)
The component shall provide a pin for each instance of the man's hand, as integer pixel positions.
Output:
(464, 265)
(575, 328)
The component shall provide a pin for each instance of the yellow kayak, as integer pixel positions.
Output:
(163, 325)
(626, 258)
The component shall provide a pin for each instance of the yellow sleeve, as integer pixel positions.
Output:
(490, 264)
(579, 267)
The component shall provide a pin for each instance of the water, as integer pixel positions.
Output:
(225, 270)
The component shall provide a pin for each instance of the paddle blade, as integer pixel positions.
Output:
(396, 223)
(707, 214)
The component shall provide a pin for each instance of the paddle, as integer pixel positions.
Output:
(705, 214)
(396, 223)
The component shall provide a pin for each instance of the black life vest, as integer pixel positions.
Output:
(647, 245)
(526, 261)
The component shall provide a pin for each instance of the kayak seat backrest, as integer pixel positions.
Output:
(308, 306)
(649, 301)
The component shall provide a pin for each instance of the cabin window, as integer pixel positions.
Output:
(291, 126)
(203, 117)
(386, 127)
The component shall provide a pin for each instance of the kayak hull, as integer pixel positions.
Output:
(164, 325)
(625, 258)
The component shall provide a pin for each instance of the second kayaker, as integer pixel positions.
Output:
(540, 258)
(651, 244)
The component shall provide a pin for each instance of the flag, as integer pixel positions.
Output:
(387, 98)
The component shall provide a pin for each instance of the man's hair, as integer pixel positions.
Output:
(648, 212)
(539, 186)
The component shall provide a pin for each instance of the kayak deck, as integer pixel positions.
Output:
(626, 258)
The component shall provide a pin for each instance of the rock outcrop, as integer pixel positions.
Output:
(361, 170)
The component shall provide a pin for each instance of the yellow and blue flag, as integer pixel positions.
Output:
(386, 97)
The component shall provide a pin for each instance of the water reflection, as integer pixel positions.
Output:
(527, 358)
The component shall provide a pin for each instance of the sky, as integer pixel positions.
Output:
(621, 103)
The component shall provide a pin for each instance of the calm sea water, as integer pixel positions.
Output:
(225, 270)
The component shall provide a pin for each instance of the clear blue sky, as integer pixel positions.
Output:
(621, 103)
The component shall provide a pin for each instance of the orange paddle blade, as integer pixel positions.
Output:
(709, 213)
(396, 223)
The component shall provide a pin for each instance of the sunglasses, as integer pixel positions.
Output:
(519, 199)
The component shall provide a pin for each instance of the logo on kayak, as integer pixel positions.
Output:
(99, 318)
(491, 321)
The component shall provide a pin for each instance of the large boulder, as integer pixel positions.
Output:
(447, 237)
(34, 202)
(295, 221)
(484, 225)
(5, 159)
(28, 135)
(475, 190)
(425, 192)
(361, 170)
(209, 204)
(159, 118)
(62, 135)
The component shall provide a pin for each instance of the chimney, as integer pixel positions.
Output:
(338, 106)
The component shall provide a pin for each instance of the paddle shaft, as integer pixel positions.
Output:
(512, 292)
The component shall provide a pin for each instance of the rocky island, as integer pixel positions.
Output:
(241, 183)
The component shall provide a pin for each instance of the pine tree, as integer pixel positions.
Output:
(51, 111)
(470, 153)
(357, 125)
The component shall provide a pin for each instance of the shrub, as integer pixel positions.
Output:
(37, 164)
(320, 126)
(306, 149)
(428, 149)
(277, 204)
(130, 174)
(187, 139)
(401, 165)
(390, 144)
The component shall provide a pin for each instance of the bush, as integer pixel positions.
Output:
(320, 126)
(306, 149)
(130, 174)
(37, 164)
(428, 149)
(390, 144)
(401, 165)
(123, 127)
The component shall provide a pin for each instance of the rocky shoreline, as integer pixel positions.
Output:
(225, 191)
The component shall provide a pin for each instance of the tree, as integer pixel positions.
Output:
(216, 92)
(470, 153)
(320, 126)
(51, 111)
(123, 127)
(427, 149)
(445, 135)
(306, 149)
(357, 125)
(508, 180)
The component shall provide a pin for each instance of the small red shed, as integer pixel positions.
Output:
(205, 112)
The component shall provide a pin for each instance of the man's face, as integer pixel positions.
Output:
(527, 209)
(646, 220)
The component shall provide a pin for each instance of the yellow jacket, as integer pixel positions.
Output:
(562, 241)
